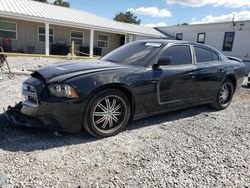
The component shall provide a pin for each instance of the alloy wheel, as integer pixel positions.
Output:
(225, 94)
(109, 113)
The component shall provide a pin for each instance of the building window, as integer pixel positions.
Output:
(8, 30)
(201, 38)
(103, 41)
(41, 34)
(77, 37)
(228, 41)
(179, 36)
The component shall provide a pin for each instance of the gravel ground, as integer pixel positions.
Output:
(11, 85)
(196, 147)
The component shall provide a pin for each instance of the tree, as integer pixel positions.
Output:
(56, 2)
(62, 3)
(127, 17)
(44, 1)
(182, 24)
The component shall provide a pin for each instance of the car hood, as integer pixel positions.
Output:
(76, 68)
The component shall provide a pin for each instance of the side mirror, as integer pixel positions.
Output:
(163, 61)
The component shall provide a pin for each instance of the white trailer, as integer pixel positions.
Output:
(231, 38)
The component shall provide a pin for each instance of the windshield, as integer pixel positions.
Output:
(136, 53)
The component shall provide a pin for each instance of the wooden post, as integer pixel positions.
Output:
(6, 60)
(73, 50)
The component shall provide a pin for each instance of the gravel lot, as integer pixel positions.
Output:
(196, 147)
(11, 88)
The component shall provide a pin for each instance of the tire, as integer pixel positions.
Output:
(224, 95)
(107, 113)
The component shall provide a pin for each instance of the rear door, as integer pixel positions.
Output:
(210, 72)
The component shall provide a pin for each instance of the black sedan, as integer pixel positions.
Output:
(135, 81)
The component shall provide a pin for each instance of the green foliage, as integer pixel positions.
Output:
(62, 3)
(44, 1)
(57, 2)
(182, 24)
(127, 17)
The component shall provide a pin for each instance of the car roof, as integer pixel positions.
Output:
(167, 41)
(163, 41)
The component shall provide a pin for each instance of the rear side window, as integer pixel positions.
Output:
(215, 57)
(205, 55)
(180, 54)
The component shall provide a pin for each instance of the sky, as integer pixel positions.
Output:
(169, 12)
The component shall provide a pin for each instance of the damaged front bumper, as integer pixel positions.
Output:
(64, 117)
(42, 111)
(16, 118)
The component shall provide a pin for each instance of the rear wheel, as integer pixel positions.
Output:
(225, 95)
(107, 113)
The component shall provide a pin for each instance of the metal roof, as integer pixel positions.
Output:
(44, 12)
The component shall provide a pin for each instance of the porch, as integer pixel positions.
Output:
(55, 39)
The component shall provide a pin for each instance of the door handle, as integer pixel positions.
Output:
(154, 81)
(221, 69)
(192, 75)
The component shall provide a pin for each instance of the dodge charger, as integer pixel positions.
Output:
(137, 80)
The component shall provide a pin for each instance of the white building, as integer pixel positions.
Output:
(42, 28)
(231, 38)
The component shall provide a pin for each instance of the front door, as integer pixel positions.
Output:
(176, 82)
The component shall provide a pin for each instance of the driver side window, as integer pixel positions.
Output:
(179, 54)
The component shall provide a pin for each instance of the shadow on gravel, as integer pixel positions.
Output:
(30, 139)
(170, 116)
(17, 139)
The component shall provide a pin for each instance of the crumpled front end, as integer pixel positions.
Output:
(17, 118)
(40, 110)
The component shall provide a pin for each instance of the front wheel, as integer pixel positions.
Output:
(107, 113)
(224, 96)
